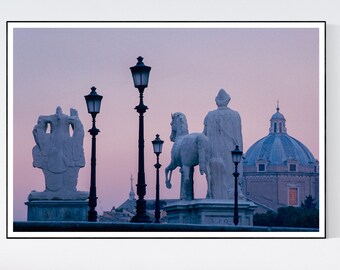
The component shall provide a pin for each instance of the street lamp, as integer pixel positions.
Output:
(93, 101)
(140, 75)
(157, 144)
(236, 157)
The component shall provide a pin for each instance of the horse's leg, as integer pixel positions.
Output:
(186, 186)
(168, 169)
(202, 150)
(167, 179)
(183, 186)
(191, 182)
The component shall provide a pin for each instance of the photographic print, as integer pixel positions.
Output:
(166, 129)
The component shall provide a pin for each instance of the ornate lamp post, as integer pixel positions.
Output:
(157, 144)
(236, 157)
(140, 75)
(93, 102)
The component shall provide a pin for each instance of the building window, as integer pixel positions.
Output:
(292, 167)
(293, 196)
(262, 167)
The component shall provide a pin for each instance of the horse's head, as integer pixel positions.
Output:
(179, 125)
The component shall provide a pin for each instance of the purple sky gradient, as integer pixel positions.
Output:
(257, 67)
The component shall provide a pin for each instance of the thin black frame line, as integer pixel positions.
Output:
(325, 137)
(317, 21)
(164, 238)
(325, 179)
(7, 130)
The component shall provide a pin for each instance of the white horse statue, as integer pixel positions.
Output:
(189, 150)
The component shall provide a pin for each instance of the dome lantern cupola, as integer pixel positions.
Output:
(278, 122)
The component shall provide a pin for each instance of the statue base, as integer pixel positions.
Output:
(58, 195)
(57, 210)
(210, 211)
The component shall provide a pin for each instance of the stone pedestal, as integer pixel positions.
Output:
(57, 210)
(209, 211)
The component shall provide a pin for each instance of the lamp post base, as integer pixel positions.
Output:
(141, 215)
(92, 215)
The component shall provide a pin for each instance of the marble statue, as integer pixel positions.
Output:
(189, 150)
(223, 128)
(59, 154)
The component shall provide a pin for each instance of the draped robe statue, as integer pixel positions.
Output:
(59, 155)
(223, 128)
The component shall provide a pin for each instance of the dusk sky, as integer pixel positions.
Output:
(58, 66)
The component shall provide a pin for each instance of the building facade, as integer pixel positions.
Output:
(127, 209)
(279, 170)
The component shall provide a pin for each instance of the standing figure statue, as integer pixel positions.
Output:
(223, 128)
(189, 150)
(59, 154)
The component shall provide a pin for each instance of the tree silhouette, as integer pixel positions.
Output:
(309, 203)
(306, 216)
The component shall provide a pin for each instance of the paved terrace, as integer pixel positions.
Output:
(70, 226)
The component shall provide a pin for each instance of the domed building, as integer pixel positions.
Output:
(279, 170)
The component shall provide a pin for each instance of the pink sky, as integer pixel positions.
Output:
(257, 67)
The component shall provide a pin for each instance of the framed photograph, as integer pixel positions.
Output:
(166, 129)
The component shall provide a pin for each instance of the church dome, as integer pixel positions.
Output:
(278, 148)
